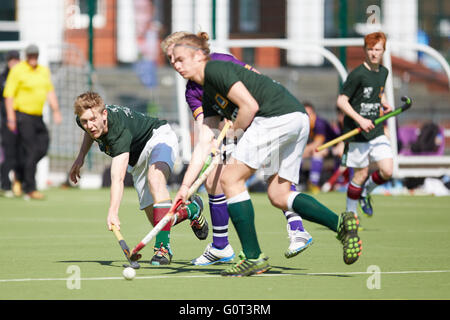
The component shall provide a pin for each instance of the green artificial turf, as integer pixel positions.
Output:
(406, 253)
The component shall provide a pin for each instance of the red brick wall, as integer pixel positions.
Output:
(105, 39)
(237, 52)
(267, 57)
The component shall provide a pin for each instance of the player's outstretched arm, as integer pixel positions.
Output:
(74, 173)
(119, 166)
(201, 151)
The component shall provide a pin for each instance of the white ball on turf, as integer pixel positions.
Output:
(129, 273)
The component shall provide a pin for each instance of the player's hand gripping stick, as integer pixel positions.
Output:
(377, 121)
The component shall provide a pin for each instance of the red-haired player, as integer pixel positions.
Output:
(362, 99)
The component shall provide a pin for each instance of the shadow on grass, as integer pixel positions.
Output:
(298, 272)
(363, 228)
(184, 267)
(101, 262)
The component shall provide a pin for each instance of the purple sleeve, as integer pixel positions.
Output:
(322, 127)
(194, 91)
(194, 94)
(229, 57)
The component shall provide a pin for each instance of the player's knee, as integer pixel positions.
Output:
(157, 176)
(156, 183)
(209, 186)
(277, 200)
(276, 203)
(213, 184)
(360, 176)
(226, 183)
(386, 173)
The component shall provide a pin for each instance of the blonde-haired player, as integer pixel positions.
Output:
(144, 146)
(220, 250)
(272, 127)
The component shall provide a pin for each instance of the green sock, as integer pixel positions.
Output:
(163, 237)
(192, 210)
(243, 217)
(312, 210)
(159, 211)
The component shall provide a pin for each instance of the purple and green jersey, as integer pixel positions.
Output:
(194, 91)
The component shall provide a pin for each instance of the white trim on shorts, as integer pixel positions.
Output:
(162, 147)
(361, 154)
(275, 145)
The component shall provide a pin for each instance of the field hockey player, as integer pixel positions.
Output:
(363, 99)
(262, 112)
(220, 250)
(147, 148)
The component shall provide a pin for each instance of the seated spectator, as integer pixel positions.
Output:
(321, 132)
(341, 175)
(427, 140)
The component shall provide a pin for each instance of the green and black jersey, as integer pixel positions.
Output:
(272, 97)
(128, 131)
(365, 88)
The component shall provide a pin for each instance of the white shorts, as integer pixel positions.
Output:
(162, 147)
(361, 154)
(275, 145)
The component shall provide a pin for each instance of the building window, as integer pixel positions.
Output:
(9, 28)
(249, 15)
(8, 10)
(77, 13)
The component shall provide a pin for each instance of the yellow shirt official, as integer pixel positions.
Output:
(28, 87)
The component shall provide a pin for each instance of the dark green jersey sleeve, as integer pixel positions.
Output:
(222, 78)
(351, 84)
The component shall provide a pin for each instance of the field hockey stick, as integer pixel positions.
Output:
(168, 217)
(197, 183)
(376, 122)
(125, 249)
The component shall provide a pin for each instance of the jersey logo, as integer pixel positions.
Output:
(367, 92)
(125, 110)
(369, 109)
(221, 101)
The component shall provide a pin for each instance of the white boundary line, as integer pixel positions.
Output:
(219, 276)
